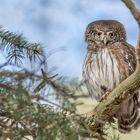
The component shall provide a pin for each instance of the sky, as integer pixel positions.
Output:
(59, 25)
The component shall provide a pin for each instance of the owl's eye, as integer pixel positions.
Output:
(111, 35)
(99, 33)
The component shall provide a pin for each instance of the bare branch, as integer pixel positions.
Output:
(135, 12)
(105, 110)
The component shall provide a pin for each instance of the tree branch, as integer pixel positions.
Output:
(135, 12)
(105, 110)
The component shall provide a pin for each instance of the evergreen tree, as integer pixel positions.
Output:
(33, 101)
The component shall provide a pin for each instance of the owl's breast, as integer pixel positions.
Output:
(101, 72)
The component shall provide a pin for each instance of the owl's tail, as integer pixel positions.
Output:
(128, 115)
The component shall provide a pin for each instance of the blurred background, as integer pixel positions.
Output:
(60, 25)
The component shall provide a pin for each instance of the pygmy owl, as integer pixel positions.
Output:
(109, 61)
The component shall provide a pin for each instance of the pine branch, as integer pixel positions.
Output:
(20, 117)
(17, 47)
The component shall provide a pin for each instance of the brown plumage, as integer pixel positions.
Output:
(110, 60)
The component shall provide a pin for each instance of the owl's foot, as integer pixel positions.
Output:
(104, 96)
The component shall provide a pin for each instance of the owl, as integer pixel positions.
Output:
(109, 61)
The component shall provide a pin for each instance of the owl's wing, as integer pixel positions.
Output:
(129, 56)
(128, 114)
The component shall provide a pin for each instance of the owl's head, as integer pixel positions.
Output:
(105, 32)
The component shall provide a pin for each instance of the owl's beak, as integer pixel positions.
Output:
(105, 40)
